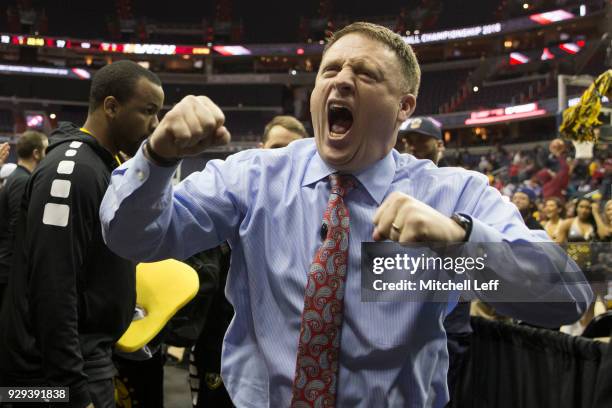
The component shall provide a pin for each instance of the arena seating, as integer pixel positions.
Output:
(6, 121)
(437, 87)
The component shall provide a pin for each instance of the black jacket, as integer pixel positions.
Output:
(531, 222)
(69, 297)
(10, 200)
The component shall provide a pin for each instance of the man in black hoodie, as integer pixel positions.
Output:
(69, 297)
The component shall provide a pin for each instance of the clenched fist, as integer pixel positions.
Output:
(404, 219)
(193, 125)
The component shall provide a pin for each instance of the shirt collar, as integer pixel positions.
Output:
(376, 179)
(19, 166)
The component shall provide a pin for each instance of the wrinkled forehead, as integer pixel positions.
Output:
(359, 48)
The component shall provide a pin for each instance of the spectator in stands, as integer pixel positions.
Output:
(582, 227)
(527, 170)
(524, 199)
(570, 208)
(508, 187)
(422, 138)
(276, 208)
(603, 221)
(532, 183)
(554, 212)
(579, 177)
(597, 173)
(605, 186)
(554, 183)
(70, 298)
(541, 156)
(484, 166)
(30, 149)
(281, 131)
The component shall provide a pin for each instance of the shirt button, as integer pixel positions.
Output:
(140, 174)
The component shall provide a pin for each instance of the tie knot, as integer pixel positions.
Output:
(341, 184)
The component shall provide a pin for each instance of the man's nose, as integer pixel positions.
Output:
(345, 81)
(154, 122)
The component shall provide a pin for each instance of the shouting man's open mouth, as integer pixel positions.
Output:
(340, 121)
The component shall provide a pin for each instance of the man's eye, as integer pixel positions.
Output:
(330, 71)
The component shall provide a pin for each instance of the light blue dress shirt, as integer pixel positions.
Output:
(268, 204)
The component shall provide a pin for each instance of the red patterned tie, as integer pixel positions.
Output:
(316, 373)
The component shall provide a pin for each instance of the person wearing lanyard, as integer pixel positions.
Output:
(69, 297)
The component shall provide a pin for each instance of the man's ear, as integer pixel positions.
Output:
(111, 106)
(37, 154)
(407, 106)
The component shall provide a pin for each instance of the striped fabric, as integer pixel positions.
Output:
(268, 205)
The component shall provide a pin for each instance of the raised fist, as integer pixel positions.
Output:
(193, 125)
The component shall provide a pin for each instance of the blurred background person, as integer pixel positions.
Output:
(554, 212)
(581, 227)
(69, 297)
(422, 138)
(554, 179)
(30, 149)
(524, 199)
(281, 131)
(603, 220)
(578, 231)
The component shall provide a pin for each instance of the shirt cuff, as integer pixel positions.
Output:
(140, 170)
(482, 232)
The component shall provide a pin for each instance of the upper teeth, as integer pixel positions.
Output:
(336, 106)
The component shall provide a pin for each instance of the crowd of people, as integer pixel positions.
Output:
(548, 184)
(102, 199)
(566, 197)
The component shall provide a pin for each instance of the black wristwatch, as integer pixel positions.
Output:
(156, 158)
(465, 223)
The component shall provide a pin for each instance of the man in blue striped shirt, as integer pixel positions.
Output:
(268, 204)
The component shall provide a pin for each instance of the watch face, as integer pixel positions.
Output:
(460, 219)
(464, 223)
